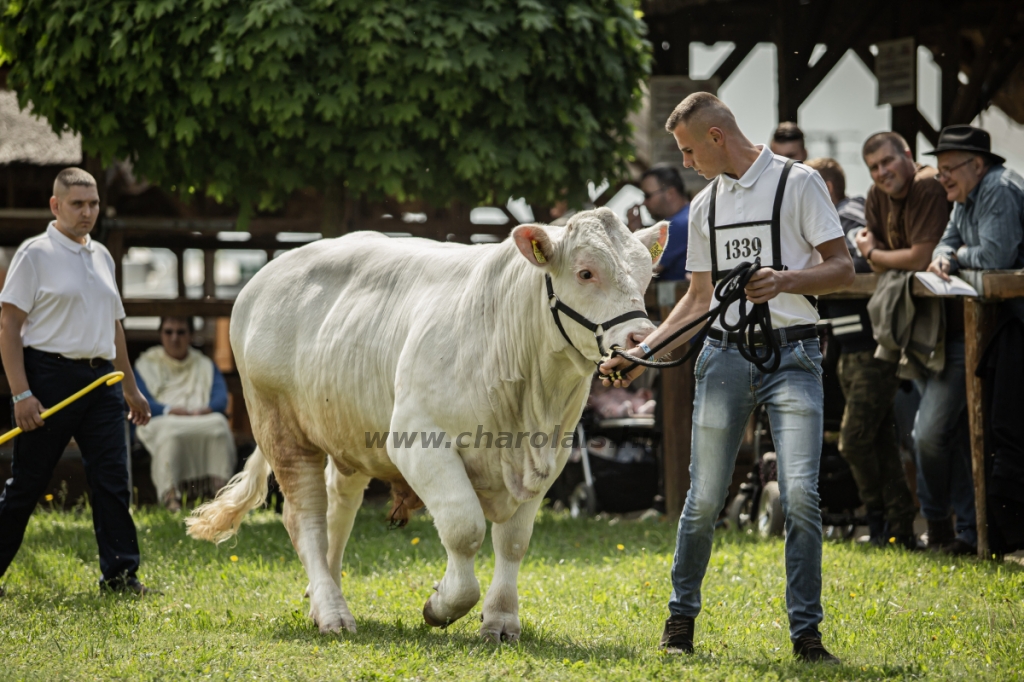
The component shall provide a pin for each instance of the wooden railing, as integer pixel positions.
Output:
(979, 323)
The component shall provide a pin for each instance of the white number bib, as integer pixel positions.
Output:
(735, 245)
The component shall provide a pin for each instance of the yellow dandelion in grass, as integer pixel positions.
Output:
(892, 540)
(853, 594)
(647, 584)
(415, 541)
(48, 498)
(344, 574)
(234, 558)
(620, 547)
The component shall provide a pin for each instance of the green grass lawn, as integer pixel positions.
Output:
(592, 603)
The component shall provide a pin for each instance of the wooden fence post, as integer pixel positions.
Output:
(979, 323)
(677, 388)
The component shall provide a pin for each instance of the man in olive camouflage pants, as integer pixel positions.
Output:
(867, 440)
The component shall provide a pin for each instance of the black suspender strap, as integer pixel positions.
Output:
(711, 230)
(777, 217)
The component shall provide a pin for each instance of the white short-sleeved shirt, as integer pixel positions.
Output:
(69, 292)
(808, 219)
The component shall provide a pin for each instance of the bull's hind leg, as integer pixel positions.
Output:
(344, 497)
(501, 605)
(439, 478)
(300, 473)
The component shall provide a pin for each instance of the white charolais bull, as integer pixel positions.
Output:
(371, 334)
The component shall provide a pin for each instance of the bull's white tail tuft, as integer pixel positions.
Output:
(219, 519)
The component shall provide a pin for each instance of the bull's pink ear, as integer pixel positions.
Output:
(535, 244)
(655, 238)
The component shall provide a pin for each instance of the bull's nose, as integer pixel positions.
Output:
(636, 337)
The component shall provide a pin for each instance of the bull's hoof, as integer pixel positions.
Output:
(431, 618)
(501, 627)
(329, 623)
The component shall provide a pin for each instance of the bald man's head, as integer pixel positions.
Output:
(71, 177)
(700, 112)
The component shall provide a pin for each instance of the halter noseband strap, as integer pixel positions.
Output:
(598, 330)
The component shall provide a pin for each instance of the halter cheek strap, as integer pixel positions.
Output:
(556, 306)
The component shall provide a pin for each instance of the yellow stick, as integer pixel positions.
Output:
(108, 379)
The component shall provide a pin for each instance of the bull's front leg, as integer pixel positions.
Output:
(438, 476)
(501, 605)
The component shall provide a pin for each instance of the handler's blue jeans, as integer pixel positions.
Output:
(944, 479)
(728, 389)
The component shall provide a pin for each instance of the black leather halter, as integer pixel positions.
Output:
(598, 330)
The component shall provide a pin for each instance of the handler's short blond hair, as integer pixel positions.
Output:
(703, 107)
(72, 177)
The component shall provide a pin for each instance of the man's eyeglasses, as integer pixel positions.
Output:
(947, 172)
(174, 332)
(647, 197)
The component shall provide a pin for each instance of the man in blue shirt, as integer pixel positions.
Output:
(985, 232)
(666, 198)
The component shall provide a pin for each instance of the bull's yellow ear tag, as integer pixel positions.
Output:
(655, 249)
(537, 253)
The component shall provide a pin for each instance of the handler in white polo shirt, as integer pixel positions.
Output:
(758, 205)
(60, 330)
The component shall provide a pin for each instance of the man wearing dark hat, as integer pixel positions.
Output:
(985, 232)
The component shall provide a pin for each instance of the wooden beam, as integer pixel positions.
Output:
(177, 307)
(979, 323)
(735, 58)
(179, 257)
(925, 128)
(812, 78)
(209, 283)
(967, 103)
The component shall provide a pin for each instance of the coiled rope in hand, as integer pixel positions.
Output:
(728, 291)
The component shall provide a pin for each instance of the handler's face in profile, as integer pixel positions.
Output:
(699, 151)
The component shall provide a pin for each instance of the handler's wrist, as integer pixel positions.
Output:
(22, 396)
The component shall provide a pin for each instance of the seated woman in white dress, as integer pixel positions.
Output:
(189, 437)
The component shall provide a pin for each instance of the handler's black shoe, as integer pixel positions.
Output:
(959, 547)
(677, 637)
(130, 586)
(809, 649)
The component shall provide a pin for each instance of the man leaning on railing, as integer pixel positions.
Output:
(985, 232)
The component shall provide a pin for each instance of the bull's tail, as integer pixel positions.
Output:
(219, 519)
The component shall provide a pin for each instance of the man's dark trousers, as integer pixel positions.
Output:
(97, 423)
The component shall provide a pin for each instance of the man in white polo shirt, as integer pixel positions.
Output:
(60, 330)
(758, 205)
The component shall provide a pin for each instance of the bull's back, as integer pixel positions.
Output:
(321, 328)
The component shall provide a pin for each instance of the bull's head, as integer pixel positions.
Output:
(600, 270)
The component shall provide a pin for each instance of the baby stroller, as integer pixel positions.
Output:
(757, 506)
(614, 465)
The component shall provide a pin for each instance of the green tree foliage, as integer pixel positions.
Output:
(249, 100)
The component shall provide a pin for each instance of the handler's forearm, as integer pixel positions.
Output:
(121, 359)
(689, 308)
(13, 353)
(830, 275)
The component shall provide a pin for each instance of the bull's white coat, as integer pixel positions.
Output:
(370, 334)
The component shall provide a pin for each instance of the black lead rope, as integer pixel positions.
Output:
(728, 291)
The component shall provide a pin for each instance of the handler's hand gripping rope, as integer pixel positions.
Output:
(108, 379)
(728, 291)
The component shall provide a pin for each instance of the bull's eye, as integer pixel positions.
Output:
(585, 274)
